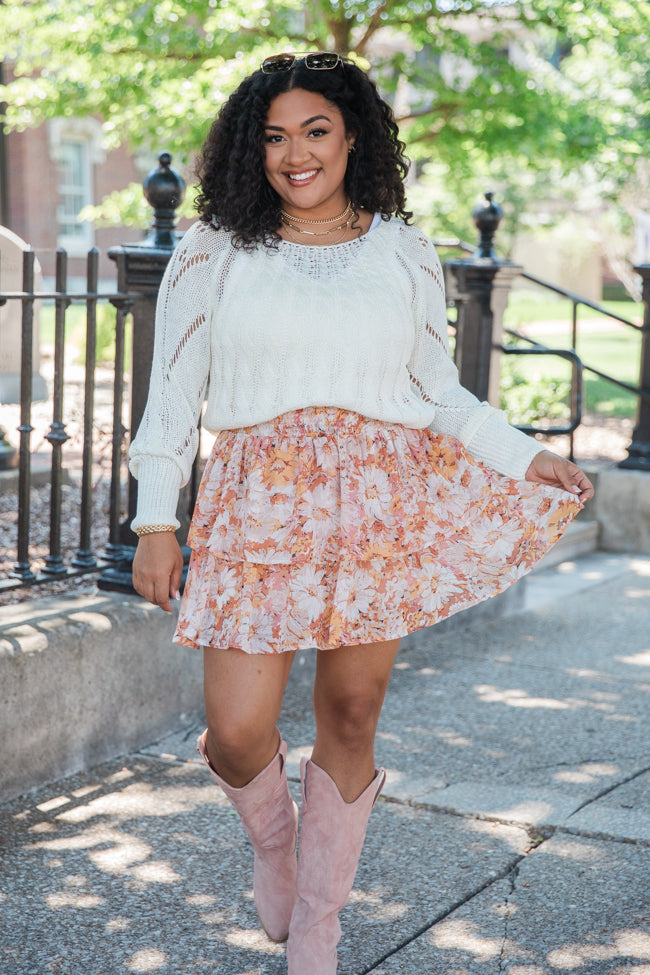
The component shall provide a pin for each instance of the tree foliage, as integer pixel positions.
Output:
(484, 89)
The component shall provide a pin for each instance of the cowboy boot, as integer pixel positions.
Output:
(270, 817)
(331, 838)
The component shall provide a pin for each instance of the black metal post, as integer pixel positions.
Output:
(8, 453)
(84, 557)
(57, 435)
(22, 568)
(140, 271)
(638, 458)
(483, 284)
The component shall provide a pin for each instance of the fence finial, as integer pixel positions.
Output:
(487, 217)
(164, 190)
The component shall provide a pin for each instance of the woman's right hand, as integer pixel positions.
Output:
(158, 568)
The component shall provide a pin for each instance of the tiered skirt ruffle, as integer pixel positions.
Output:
(323, 528)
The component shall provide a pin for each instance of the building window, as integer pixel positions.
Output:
(75, 149)
(75, 192)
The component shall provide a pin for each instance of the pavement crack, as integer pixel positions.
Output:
(608, 789)
(512, 877)
(510, 871)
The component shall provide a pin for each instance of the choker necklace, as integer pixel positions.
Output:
(289, 216)
(342, 230)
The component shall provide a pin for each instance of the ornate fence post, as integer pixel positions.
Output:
(484, 282)
(638, 458)
(140, 269)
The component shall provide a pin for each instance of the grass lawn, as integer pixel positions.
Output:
(613, 348)
(527, 308)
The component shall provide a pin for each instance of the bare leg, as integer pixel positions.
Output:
(349, 692)
(243, 697)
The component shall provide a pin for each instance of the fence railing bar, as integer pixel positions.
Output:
(114, 547)
(575, 404)
(85, 557)
(22, 567)
(71, 296)
(57, 436)
(637, 390)
(581, 301)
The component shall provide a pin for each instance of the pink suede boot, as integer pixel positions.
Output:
(270, 817)
(331, 838)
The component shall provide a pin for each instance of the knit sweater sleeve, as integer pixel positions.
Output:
(482, 429)
(163, 450)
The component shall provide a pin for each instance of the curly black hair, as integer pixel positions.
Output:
(234, 192)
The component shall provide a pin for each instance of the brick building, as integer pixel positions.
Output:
(49, 174)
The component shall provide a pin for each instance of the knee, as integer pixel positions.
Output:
(235, 744)
(352, 719)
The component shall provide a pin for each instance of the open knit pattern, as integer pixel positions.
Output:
(361, 326)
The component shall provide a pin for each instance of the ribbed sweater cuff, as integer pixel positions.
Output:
(506, 449)
(159, 482)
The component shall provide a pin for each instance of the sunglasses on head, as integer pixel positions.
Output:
(317, 61)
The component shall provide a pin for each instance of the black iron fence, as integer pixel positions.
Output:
(478, 288)
(85, 558)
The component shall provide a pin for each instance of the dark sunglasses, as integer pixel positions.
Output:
(318, 61)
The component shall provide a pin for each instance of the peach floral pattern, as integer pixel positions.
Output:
(324, 528)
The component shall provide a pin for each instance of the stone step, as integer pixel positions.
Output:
(580, 538)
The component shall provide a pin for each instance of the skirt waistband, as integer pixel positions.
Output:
(311, 421)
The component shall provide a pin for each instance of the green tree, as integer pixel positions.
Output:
(486, 90)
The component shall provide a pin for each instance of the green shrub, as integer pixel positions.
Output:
(532, 399)
(105, 336)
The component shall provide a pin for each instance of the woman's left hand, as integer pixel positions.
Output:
(548, 468)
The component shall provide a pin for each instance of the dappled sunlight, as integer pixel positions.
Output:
(55, 803)
(253, 940)
(517, 698)
(387, 736)
(452, 738)
(126, 851)
(214, 917)
(627, 944)
(532, 811)
(581, 852)
(72, 899)
(465, 936)
(462, 936)
(377, 907)
(117, 924)
(587, 772)
(201, 900)
(142, 799)
(515, 837)
(641, 659)
(147, 960)
(155, 872)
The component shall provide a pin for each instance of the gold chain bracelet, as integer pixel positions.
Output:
(153, 529)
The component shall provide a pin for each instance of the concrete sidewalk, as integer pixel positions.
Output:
(513, 835)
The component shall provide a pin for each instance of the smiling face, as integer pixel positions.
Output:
(306, 154)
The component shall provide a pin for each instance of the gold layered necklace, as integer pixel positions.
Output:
(342, 220)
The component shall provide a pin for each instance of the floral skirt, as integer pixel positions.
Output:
(323, 528)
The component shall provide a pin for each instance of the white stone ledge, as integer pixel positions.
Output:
(85, 678)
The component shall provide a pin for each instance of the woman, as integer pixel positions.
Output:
(352, 495)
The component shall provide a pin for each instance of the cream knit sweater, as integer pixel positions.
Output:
(360, 325)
